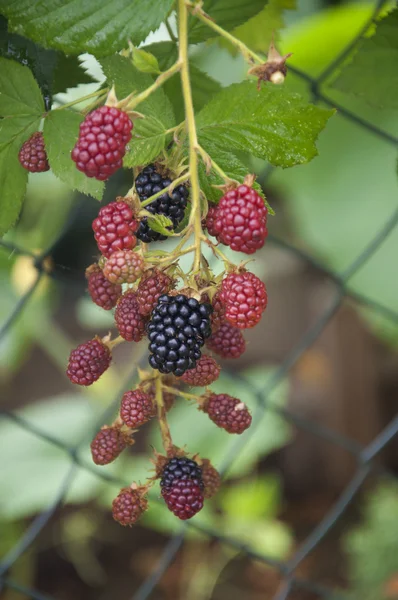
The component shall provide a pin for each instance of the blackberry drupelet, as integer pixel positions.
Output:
(180, 469)
(150, 182)
(177, 330)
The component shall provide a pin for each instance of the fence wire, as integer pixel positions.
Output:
(364, 455)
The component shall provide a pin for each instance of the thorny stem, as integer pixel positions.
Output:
(172, 390)
(164, 426)
(218, 252)
(209, 161)
(202, 16)
(100, 92)
(195, 218)
(160, 80)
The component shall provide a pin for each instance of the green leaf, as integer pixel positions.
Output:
(31, 462)
(203, 86)
(145, 61)
(149, 134)
(75, 27)
(232, 166)
(228, 14)
(61, 129)
(19, 92)
(53, 71)
(258, 32)
(68, 73)
(13, 177)
(271, 124)
(161, 224)
(378, 56)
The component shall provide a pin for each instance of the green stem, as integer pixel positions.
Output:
(166, 189)
(208, 160)
(245, 51)
(170, 31)
(196, 218)
(163, 424)
(136, 100)
(100, 92)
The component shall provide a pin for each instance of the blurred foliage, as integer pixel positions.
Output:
(371, 547)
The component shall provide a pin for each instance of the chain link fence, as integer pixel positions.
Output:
(364, 456)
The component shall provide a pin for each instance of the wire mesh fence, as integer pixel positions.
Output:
(364, 456)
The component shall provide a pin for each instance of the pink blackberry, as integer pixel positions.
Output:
(129, 321)
(227, 341)
(107, 445)
(136, 408)
(245, 299)
(241, 220)
(129, 505)
(102, 141)
(153, 284)
(124, 266)
(88, 361)
(205, 372)
(209, 223)
(227, 412)
(32, 155)
(103, 293)
(211, 478)
(114, 228)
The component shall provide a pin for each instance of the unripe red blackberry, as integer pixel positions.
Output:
(88, 361)
(103, 293)
(124, 266)
(130, 323)
(184, 499)
(241, 220)
(227, 412)
(206, 372)
(114, 228)
(209, 223)
(102, 141)
(227, 341)
(245, 299)
(107, 445)
(211, 478)
(33, 155)
(136, 408)
(129, 505)
(153, 284)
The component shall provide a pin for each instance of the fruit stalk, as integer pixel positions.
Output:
(195, 219)
(163, 424)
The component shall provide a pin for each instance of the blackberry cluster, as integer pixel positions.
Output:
(177, 330)
(32, 155)
(150, 182)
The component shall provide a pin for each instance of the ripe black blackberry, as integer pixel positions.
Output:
(177, 330)
(180, 469)
(150, 182)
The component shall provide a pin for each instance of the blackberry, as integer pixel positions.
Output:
(32, 155)
(177, 330)
(180, 469)
(129, 505)
(184, 499)
(150, 182)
